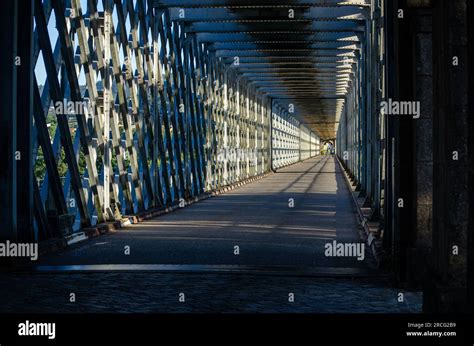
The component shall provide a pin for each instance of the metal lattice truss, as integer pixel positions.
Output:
(360, 137)
(171, 99)
(300, 52)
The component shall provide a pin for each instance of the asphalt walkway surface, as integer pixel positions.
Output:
(285, 219)
(280, 224)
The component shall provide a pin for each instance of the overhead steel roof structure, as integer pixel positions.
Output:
(299, 51)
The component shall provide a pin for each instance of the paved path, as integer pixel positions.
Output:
(150, 292)
(281, 252)
(255, 217)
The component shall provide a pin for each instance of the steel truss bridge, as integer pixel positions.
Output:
(121, 108)
(184, 97)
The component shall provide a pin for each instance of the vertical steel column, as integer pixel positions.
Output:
(171, 141)
(56, 96)
(172, 33)
(161, 116)
(391, 129)
(201, 99)
(107, 112)
(8, 124)
(192, 108)
(24, 113)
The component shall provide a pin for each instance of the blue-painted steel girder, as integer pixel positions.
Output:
(288, 58)
(305, 84)
(303, 88)
(290, 45)
(303, 95)
(333, 69)
(340, 36)
(286, 26)
(328, 116)
(309, 52)
(319, 86)
(288, 84)
(281, 49)
(296, 74)
(283, 76)
(293, 90)
(326, 112)
(255, 3)
(326, 78)
(317, 99)
(290, 64)
(290, 74)
(290, 67)
(297, 78)
(304, 91)
(294, 86)
(182, 13)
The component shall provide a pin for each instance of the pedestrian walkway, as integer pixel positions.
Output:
(258, 248)
(285, 219)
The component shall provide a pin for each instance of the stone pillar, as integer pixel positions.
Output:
(470, 252)
(446, 290)
(421, 239)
